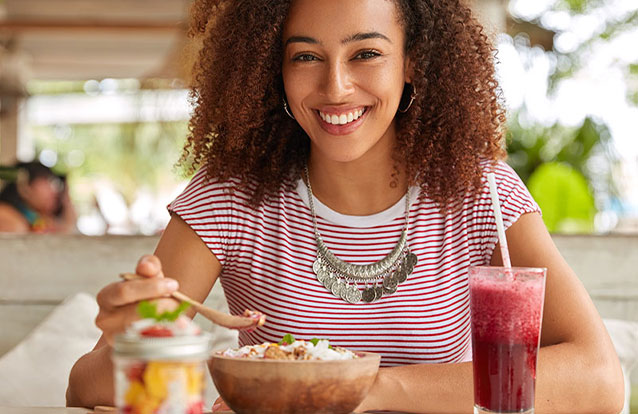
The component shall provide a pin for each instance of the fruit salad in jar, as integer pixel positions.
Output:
(160, 363)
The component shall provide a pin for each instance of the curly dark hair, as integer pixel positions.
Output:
(239, 127)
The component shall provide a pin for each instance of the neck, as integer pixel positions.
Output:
(360, 187)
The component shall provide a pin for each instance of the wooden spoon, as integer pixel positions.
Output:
(250, 319)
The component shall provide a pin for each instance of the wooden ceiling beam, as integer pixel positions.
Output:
(20, 26)
(84, 71)
(121, 10)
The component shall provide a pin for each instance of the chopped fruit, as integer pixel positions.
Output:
(136, 393)
(151, 375)
(135, 371)
(196, 408)
(156, 331)
(194, 380)
(289, 348)
(182, 326)
(165, 384)
(258, 316)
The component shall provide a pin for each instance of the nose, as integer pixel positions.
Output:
(337, 82)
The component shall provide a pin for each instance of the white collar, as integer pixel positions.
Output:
(378, 219)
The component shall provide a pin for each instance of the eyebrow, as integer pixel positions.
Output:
(364, 36)
(301, 39)
(353, 38)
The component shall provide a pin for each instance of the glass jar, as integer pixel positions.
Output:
(160, 375)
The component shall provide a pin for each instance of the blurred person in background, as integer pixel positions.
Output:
(35, 200)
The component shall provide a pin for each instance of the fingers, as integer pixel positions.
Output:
(112, 323)
(118, 301)
(121, 293)
(149, 266)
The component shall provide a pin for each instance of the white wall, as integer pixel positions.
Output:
(37, 272)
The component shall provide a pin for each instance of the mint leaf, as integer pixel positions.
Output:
(287, 340)
(315, 341)
(147, 309)
(170, 316)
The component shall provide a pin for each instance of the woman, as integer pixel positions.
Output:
(329, 128)
(36, 201)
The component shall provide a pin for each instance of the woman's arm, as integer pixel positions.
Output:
(182, 256)
(67, 222)
(578, 370)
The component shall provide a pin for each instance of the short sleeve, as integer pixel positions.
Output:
(206, 207)
(515, 200)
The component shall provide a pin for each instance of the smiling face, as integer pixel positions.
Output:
(344, 69)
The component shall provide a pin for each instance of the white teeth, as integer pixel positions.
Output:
(341, 119)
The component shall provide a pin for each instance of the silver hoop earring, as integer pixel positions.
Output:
(412, 96)
(286, 108)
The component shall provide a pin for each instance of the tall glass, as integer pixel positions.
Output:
(506, 308)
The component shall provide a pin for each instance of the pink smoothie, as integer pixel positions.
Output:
(506, 318)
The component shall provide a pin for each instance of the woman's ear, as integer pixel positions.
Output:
(409, 69)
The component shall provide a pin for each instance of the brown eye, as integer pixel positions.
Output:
(305, 57)
(367, 54)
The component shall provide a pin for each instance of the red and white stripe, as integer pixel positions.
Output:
(267, 255)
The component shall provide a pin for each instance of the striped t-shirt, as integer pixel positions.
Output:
(267, 255)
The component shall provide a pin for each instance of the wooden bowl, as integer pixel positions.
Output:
(267, 386)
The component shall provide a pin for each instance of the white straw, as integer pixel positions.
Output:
(496, 207)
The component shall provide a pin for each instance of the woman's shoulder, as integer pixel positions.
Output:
(513, 194)
(11, 220)
(234, 192)
(203, 181)
(202, 189)
(500, 168)
(507, 179)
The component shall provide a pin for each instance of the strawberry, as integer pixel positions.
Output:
(156, 331)
(134, 372)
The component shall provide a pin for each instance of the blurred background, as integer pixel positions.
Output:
(97, 90)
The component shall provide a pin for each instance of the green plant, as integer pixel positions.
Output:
(564, 198)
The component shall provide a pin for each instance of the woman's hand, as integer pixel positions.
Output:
(118, 301)
(184, 256)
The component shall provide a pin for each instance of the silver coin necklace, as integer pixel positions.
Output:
(380, 278)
